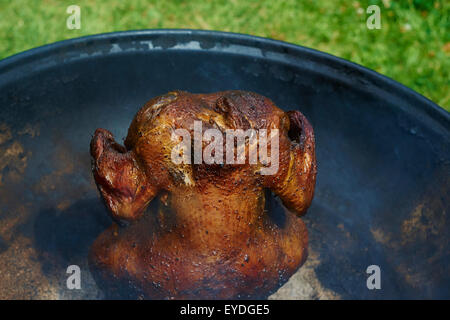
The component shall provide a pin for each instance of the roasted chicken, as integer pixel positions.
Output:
(202, 230)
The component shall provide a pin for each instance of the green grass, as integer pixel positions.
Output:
(413, 46)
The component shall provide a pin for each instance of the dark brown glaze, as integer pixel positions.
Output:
(193, 231)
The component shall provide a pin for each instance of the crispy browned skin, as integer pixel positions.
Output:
(210, 231)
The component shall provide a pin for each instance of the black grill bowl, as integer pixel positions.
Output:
(382, 194)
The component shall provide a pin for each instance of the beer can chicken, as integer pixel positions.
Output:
(195, 229)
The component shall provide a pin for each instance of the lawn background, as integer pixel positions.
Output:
(412, 47)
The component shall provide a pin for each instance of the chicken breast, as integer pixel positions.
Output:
(186, 227)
